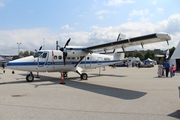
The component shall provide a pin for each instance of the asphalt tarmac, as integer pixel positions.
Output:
(114, 94)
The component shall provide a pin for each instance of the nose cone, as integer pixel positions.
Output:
(13, 64)
(9, 64)
(20, 64)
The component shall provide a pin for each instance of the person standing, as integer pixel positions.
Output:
(3, 66)
(160, 70)
(172, 70)
(139, 64)
(167, 66)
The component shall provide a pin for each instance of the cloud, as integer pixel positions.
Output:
(118, 2)
(154, 2)
(30, 39)
(141, 15)
(33, 38)
(102, 12)
(1, 3)
(77, 38)
(171, 24)
(100, 17)
(66, 27)
(139, 12)
(160, 10)
(133, 29)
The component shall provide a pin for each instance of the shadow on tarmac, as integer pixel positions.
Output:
(175, 114)
(109, 75)
(75, 82)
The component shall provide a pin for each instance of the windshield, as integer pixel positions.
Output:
(37, 54)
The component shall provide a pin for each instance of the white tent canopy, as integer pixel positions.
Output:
(175, 55)
(148, 60)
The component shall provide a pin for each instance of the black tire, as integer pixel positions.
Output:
(84, 76)
(65, 74)
(29, 78)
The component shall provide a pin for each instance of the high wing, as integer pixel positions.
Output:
(141, 40)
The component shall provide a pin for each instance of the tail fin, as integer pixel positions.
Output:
(119, 38)
(118, 56)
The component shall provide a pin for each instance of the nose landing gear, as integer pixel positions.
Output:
(30, 77)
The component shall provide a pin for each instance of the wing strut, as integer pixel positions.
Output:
(123, 49)
(79, 61)
(167, 42)
(142, 45)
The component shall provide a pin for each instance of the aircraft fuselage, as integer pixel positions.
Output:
(52, 61)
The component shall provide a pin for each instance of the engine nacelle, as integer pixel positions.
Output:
(74, 51)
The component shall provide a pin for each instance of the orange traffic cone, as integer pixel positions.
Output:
(62, 78)
(37, 75)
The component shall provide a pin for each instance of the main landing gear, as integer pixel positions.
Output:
(30, 77)
(84, 76)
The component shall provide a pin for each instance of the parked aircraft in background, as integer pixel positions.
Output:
(77, 59)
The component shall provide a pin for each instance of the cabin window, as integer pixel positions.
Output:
(73, 58)
(68, 58)
(44, 55)
(60, 57)
(106, 59)
(87, 58)
(55, 57)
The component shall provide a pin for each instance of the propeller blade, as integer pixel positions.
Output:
(67, 42)
(64, 51)
(64, 57)
(40, 48)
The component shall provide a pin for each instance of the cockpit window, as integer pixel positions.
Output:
(44, 55)
(37, 54)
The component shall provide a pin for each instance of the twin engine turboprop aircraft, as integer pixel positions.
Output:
(77, 59)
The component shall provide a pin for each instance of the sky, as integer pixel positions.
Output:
(35, 23)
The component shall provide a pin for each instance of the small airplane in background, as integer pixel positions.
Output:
(77, 59)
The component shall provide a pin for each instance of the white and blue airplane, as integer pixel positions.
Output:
(77, 59)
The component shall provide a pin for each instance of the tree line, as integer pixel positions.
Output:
(25, 53)
(150, 54)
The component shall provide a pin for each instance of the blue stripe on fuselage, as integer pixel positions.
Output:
(57, 63)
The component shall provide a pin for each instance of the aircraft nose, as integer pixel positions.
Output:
(9, 64)
(21, 64)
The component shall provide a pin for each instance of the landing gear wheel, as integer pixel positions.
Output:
(84, 76)
(65, 74)
(29, 78)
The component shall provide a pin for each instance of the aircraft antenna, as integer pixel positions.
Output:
(43, 43)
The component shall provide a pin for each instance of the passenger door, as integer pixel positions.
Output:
(88, 61)
(42, 59)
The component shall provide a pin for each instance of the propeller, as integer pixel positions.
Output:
(63, 49)
(40, 48)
